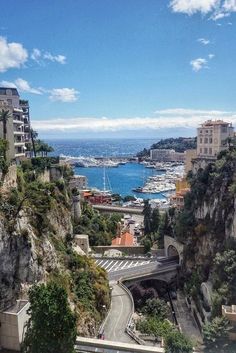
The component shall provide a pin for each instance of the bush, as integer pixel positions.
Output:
(176, 342)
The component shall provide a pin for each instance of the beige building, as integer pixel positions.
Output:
(230, 313)
(189, 156)
(78, 182)
(12, 325)
(212, 138)
(18, 126)
(166, 155)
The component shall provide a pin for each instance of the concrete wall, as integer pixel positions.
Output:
(130, 250)
(45, 176)
(169, 242)
(12, 328)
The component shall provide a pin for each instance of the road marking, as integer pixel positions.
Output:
(130, 264)
(112, 266)
(124, 265)
(99, 262)
(104, 264)
(109, 264)
(118, 267)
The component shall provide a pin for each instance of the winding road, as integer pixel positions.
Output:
(121, 307)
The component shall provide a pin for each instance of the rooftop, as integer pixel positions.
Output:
(5, 91)
(215, 122)
(126, 239)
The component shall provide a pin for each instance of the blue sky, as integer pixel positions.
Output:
(128, 68)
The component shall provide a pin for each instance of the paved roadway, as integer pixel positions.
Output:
(121, 308)
(113, 265)
(118, 269)
(119, 209)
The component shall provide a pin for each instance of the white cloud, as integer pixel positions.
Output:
(198, 64)
(61, 59)
(229, 5)
(63, 94)
(21, 85)
(163, 119)
(217, 9)
(192, 6)
(203, 41)
(13, 55)
(211, 56)
(201, 63)
(24, 86)
(39, 56)
(36, 54)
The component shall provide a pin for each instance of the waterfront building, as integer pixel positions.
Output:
(166, 155)
(212, 138)
(18, 125)
(79, 182)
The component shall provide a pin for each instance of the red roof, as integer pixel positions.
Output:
(125, 239)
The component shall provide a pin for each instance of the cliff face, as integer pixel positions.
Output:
(36, 244)
(25, 257)
(211, 208)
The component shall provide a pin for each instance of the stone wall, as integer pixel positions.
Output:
(10, 180)
(130, 250)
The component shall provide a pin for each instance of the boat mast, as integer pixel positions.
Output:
(104, 179)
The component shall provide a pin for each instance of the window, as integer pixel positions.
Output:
(210, 150)
(206, 140)
(206, 131)
(223, 129)
(200, 150)
(9, 101)
(210, 140)
(205, 150)
(200, 140)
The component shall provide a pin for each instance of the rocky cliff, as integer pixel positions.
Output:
(206, 226)
(36, 244)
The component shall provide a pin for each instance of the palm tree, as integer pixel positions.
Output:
(33, 135)
(4, 117)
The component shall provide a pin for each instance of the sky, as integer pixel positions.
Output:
(121, 68)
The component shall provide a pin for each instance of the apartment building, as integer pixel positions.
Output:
(212, 138)
(18, 125)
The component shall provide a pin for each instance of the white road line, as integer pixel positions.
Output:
(130, 264)
(109, 264)
(104, 264)
(118, 267)
(124, 264)
(99, 262)
(112, 266)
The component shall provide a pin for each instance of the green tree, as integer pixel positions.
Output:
(147, 213)
(155, 220)
(216, 332)
(52, 325)
(33, 135)
(156, 307)
(4, 117)
(176, 342)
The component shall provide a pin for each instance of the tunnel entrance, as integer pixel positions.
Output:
(173, 252)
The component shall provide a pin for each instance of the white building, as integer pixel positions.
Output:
(212, 138)
(18, 126)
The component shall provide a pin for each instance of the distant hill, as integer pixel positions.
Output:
(179, 144)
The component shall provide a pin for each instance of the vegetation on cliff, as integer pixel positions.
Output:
(37, 244)
(206, 227)
(179, 144)
(51, 327)
(101, 228)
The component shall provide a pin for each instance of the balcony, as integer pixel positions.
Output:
(19, 132)
(19, 143)
(19, 122)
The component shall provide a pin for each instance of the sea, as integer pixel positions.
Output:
(120, 180)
